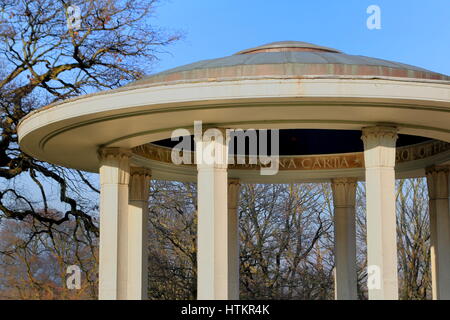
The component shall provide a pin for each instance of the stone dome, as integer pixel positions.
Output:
(290, 59)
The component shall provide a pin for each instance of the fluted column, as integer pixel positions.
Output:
(438, 191)
(137, 234)
(114, 179)
(379, 156)
(344, 194)
(213, 224)
(233, 238)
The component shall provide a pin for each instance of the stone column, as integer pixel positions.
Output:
(114, 179)
(233, 238)
(344, 194)
(213, 224)
(438, 191)
(379, 155)
(137, 234)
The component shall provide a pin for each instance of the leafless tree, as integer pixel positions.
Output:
(413, 237)
(35, 267)
(46, 57)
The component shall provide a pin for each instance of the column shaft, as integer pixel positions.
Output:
(233, 238)
(114, 178)
(344, 193)
(213, 225)
(379, 155)
(438, 190)
(137, 234)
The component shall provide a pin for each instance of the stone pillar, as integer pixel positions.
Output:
(114, 179)
(233, 238)
(379, 155)
(213, 224)
(344, 195)
(137, 234)
(438, 191)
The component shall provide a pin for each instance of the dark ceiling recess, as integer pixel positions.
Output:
(312, 141)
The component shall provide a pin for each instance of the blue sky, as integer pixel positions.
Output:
(415, 32)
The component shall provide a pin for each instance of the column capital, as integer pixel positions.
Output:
(206, 128)
(344, 190)
(235, 182)
(438, 182)
(211, 132)
(437, 169)
(139, 171)
(105, 153)
(234, 186)
(379, 146)
(139, 183)
(114, 165)
(379, 133)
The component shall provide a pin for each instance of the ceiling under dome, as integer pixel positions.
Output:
(299, 142)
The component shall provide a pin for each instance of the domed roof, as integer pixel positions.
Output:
(284, 46)
(287, 85)
(290, 59)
